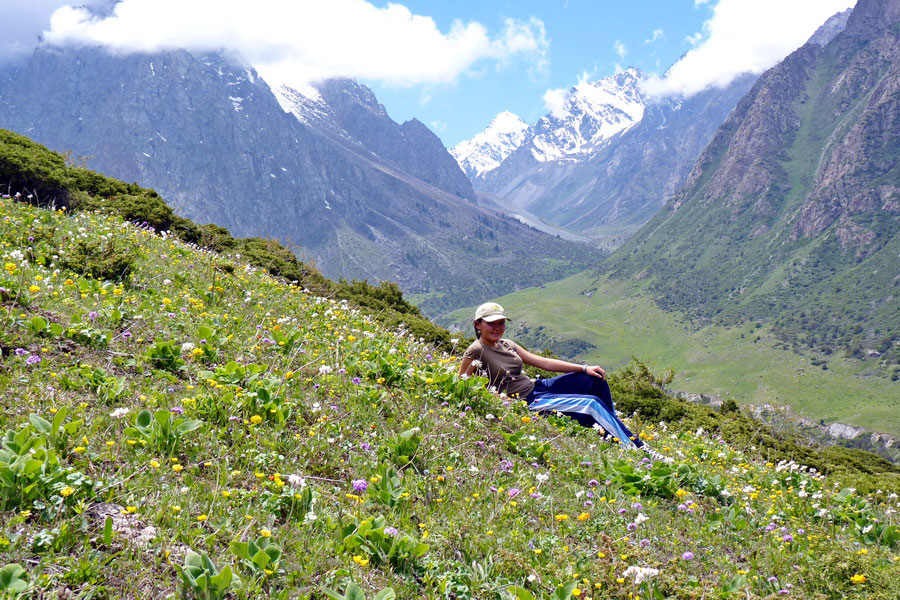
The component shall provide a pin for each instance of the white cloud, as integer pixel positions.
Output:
(694, 39)
(745, 37)
(658, 34)
(620, 49)
(305, 40)
(555, 101)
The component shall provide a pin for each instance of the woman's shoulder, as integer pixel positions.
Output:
(474, 348)
(509, 344)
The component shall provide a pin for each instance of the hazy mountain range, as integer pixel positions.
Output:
(325, 170)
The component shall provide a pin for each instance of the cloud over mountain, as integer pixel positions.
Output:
(306, 40)
(744, 37)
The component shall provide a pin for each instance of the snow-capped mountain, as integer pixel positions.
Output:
(592, 112)
(487, 150)
(606, 157)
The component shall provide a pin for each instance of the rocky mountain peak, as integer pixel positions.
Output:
(486, 151)
(592, 112)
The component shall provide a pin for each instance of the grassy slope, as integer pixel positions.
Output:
(259, 443)
(621, 321)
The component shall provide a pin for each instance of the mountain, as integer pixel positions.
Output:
(324, 170)
(604, 163)
(488, 149)
(792, 213)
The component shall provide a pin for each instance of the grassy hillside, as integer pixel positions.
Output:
(45, 178)
(781, 220)
(186, 423)
(610, 321)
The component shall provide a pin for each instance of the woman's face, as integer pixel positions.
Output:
(493, 331)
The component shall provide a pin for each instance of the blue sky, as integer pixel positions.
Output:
(453, 65)
(581, 35)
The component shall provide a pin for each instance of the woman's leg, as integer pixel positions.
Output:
(586, 399)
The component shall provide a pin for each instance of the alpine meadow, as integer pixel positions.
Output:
(245, 374)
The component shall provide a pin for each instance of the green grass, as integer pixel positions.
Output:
(621, 320)
(199, 396)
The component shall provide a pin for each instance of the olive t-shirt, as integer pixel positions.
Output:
(502, 366)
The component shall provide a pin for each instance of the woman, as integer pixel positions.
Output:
(582, 393)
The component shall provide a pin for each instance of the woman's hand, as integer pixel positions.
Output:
(595, 370)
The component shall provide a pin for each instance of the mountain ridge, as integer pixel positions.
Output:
(791, 213)
(211, 136)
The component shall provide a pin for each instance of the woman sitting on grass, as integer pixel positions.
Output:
(582, 393)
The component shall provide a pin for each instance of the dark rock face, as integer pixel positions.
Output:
(411, 147)
(792, 213)
(210, 136)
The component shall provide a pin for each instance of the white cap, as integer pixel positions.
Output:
(490, 312)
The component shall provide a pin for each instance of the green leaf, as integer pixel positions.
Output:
(189, 426)
(354, 592)
(222, 581)
(162, 417)
(565, 592)
(41, 424)
(107, 531)
(58, 420)
(241, 550)
(205, 333)
(38, 324)
(192, 559)
(56, 329)
(143, 419)
(12, 579)
(261, 559)
(521, 593)
(332, 594)
(386, 594)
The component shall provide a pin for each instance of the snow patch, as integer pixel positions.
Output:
(488, 149)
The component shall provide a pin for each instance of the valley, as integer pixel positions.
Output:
(747, 363)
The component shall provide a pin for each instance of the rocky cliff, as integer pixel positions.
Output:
(214, 140)
(792, 213)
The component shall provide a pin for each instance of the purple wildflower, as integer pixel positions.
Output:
(391, 530)
(93, 315)
(637, 506)
(177, 410)
(588, 504)
(360, 485)
(365, 446)
(644, 543)
(622, 511)
(126, 335)
(593, 483)
(787, 538)
(513, 492)
(687, 555)
(21, 351)
(632, 526)
(357, 381)
(33, 359)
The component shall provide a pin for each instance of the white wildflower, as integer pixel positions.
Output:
(639, 574)
(119, 413)
(186, 347)
(325, 370)
(542, 477)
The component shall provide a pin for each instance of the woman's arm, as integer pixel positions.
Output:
(559, 366)
(466, 367)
